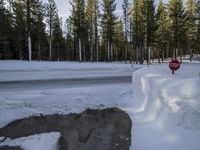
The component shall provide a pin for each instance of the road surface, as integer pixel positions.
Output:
(61, 83)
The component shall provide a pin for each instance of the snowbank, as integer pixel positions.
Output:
(167, 114)
(169, 99)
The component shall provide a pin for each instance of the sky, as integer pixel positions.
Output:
(64, 7)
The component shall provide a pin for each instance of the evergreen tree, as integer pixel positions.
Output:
(150, 26)
(19, 27)
(176, 13)
(120, 41)
(125, 6)
(69, 39)
(5, 32)
(32, 9)
(138, 22)
(96, 32)
(191, 25)
(51, 10)
(57, 36)
(28, 25)
(78, 21)
(198, 28)
(162, 34)
(40, 34)
(89, 16)
(108, 23)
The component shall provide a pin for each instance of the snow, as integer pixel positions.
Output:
(21, 104)
(36, 70)
(48, 141)
(164, 108)
(169, 108)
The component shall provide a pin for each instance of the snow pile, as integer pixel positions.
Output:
(169, 99)
(48, 141)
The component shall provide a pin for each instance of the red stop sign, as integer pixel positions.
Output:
(174, 65)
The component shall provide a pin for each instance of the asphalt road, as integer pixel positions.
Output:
(61, 83)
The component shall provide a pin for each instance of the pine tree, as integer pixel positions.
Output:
(19, 27)
(176, 13)
(78, 21)
(32, 10)
(120, 41)
(57, 36)
(40, 34)
(28, 22)
(108, 23)
(51, 10)
(162, 34)
(125, 6)
(5, 32)
(191, 25)
(96, 32)
(150, 26)
(138, 22)
(69, 38)
(198, 28)
(89, 16)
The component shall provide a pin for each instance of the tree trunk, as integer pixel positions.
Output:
(80, 51)
(141, 53)
(149, 56)
(84, 52)
(29, 31)
(116, 53)
(137, 56)
(181, 56)
(20, 48)
(91, 47)
(163, 55)
(126, 52)
(190, 55)
(111, 51)
(97, 51)
(29, 47)
(96, 30)
(75, 50)
(58, 53)
(50, 49)
(50, 32)
(39, 53)
(108, 51)
(158, 56)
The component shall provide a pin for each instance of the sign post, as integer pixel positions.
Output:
(174, 65)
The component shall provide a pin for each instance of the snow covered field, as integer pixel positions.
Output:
(165, 109)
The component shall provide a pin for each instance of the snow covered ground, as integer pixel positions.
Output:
(48, 141)
(165, 109)
(24, 70)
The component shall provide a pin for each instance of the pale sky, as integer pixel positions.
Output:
(64, 7)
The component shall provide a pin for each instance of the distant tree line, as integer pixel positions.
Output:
(33, 30)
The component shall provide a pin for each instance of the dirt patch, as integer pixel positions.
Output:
(108, 129)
